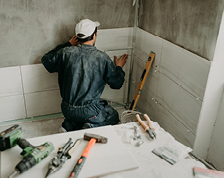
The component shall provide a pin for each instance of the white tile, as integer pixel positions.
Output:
(185, 107)
(119, 96)
(114, 38)
(145, 43)
(43, 103)
(185, 68)
(146, 104)
(36, 78)
(12, 107)
(173, 126)
(10, 79)
(119, 53)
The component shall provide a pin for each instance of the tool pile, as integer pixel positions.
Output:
(32, 155)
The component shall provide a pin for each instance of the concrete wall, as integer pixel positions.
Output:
(30, 28)
(194, 25)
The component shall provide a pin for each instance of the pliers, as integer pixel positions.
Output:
(149, 128)
(63, 154)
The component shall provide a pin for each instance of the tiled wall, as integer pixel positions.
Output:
(173, 92)
(28, 91)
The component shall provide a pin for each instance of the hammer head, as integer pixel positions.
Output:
(99, 139)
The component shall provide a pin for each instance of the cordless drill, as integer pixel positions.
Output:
(31, 154)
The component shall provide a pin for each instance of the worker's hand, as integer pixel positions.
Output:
(122, 61)
(74, 41)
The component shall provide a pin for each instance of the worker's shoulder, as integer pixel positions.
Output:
(102, 54)
(70, 48)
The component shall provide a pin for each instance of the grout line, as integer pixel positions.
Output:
(190, 93)
(178, 45)
(197, 98)
(42, 91)
(176, 118)
(32, 119)
(7, 96)
(161, 52)
(168, 111)
(23, 91)
(169, 78)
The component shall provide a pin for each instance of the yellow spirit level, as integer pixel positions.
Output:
(142, 80)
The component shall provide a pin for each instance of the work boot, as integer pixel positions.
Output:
(68, 126)
(86, 126)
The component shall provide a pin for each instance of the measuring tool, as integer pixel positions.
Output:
(142, 80)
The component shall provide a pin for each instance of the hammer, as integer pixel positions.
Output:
(92, 138)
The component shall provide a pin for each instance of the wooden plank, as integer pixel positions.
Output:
(10, 79)
(36, 78)
(12, 107)
(179, 102)
(185, 68)
(103, 158)
(43, 103)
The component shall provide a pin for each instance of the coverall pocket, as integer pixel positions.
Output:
(97, 118)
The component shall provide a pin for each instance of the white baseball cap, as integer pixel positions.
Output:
(86, 27)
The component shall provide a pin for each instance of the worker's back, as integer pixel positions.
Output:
(81, 74)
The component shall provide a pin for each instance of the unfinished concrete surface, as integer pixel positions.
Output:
(30, 28)
(47, 126)
(191, 24)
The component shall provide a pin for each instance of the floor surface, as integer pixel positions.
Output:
(42, 127)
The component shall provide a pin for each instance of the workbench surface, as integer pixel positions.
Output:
(120, 158)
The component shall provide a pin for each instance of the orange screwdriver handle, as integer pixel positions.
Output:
(141, 122)
(75, 172)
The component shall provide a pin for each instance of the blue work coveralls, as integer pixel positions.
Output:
(83, 72)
